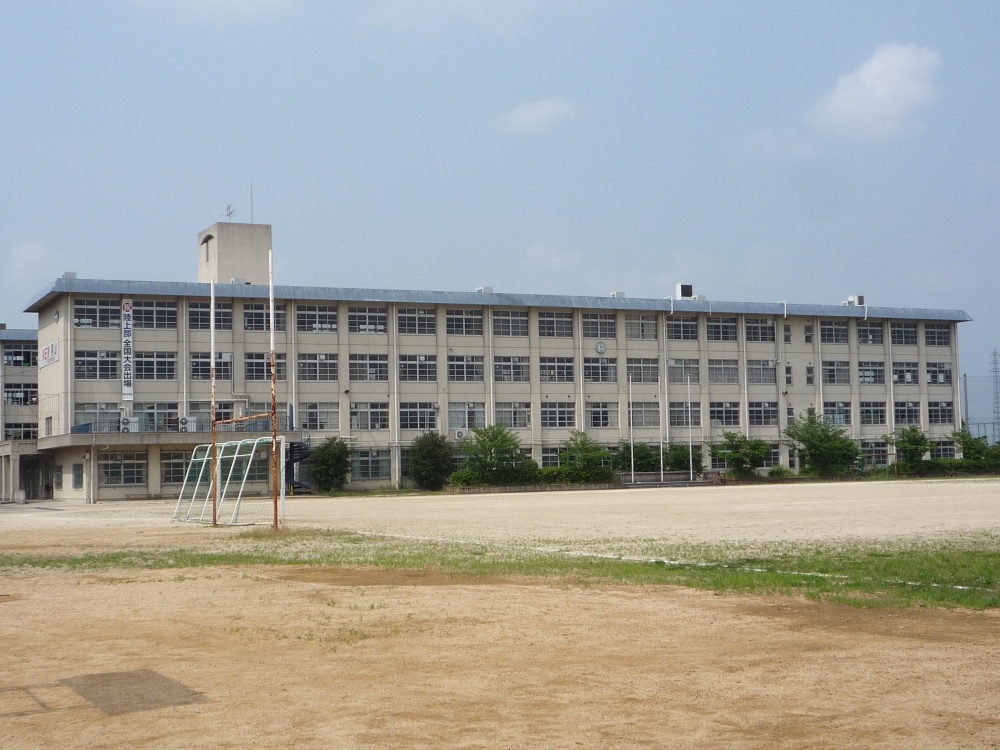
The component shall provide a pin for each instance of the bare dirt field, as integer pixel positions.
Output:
(312, 657)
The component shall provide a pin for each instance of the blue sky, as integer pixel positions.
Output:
(799, 151)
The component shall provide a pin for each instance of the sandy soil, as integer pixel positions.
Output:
(319, 658)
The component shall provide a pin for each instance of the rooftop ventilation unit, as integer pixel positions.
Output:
(618, 295)
(684, 291)
(485, 290)
(855, 300)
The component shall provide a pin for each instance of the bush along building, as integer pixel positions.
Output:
(107, 399)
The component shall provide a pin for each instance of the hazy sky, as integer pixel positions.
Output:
(763, 151)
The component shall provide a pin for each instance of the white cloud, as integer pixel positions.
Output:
(534, 117)
(883, 96)
(499, 17)
(546, 258)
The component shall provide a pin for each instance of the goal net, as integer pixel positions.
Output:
(243, 473)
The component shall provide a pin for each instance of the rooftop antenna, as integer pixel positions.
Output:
(230, 211)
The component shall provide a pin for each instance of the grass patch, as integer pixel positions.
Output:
(961, 573)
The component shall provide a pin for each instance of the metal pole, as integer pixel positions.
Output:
(274, 395)
(631, 430)
(215, 448)
(690, 434)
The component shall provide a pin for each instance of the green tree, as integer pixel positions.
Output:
(329, 465)
(911, 444)
(584, 460)
(492, 456)
(676, 457)
(973, 448)
(823, 447)
(743, 455)
(431, 460)
(647, 457)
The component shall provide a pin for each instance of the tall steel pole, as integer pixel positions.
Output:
(274, 394)
(215, 449)
(690, 434)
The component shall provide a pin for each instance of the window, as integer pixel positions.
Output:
(872, 412)
(201, 412)
(559, 414)
(721, 329)
(550, 457)
(684, 413)
(464, 322)
(599, 326)
(810, 375)
(510, 322)
(156, 314)
(833, 331)
(156, 365)
(20, 355)
(318, 366)
(77, 476)
(417, 320)
(788, 333)
(201, 366)
(600, 413)
(907, 412)
(837, 412)
(724, 413)
(943, 449)
(905, 373)
(418, 368)
(417, 415)
(367, 320)
(514, 414)
(600, 370)
(903, 334)
(643, 369)
(763, 413)
(57, 477)
(97, 313)
(369, 416)
(640, 326)
(370, 464)
(875, 452)
(939, 373)
(718, 462)
(368, 367)
(759, 329)
(259, 469)
(199, 316)
(682, 328)
(173, 466)
(154, 417)
(555, 369)
(761, 371)
(682, 371)
(511, 370)
(937, 334)
(870, 332)
(788, 374)
(316, 318)
(97, 417)
(773, 457)
(871, 373)
(257, 366)
(320, 415)
(20, 394)
(466, 415)
(723, 371)
(808, 331)
(836, 372)
(465, 368)
(121, 468)
(20, 431)
(555, 325)
(257, 316)
(91, 365)
(940, 412)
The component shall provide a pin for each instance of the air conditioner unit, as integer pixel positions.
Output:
(125, 425)
(458, 434)
(187, 424)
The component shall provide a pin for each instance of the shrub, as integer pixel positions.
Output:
(430, 460)
(779, 472)
(329, 465)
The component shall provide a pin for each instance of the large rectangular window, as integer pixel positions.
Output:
(418, 368)
(20, 394)
(466, 415)
(601, 413)
(201, 366)
(511, 370)
(837, 412)
(643, 369)
(257, 316)
(903, 334)
(599, 326)
(682, 328)
(257, 366)
(875, 452)
(173, 466)
(939, 373)
(417, 320)
(761, 371)
(907, 412)
(640, 326)
(95, 365)
(940, 412)
(514, 414)
(555, 324)
(510, 322)
(20, 431)
(417, 415)
(644, 414)
(465, 368)
(943, 449)
(555, 369)
(320, 415)
(723, 371)
(600, 370)
(367, 320)
(680, 371)
(870, 332)
(724, 413)
(836, 372)
(905, 373)
(937, 334)
(721, 329)
(97, 417)
(763, 413)
(156, 314)
(199, 316)
(369, 416)
(833, 331)
(316, 318)
(370, 464)
(558, 414)
(872, 412)
(121, 468)
(759, 329)
(684, 413)
(97, 313)
(464, 322)
(156, 365)
(20, 355)
(871, 373)
(368, 367)
(318, 366)
(160, 416)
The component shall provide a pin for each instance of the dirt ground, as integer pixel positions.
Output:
(320, 658)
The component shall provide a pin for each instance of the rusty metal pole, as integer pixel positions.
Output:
(215, 457)
(274, 395)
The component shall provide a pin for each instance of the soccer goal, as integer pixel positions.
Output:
(244, 496)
